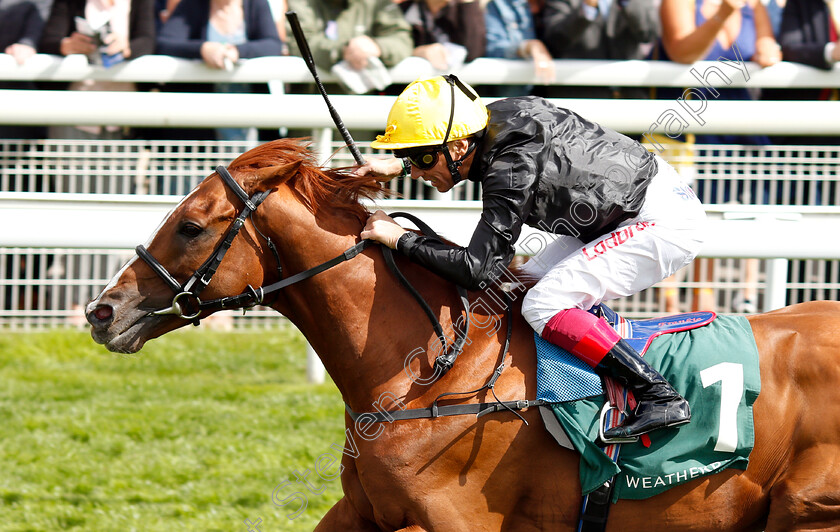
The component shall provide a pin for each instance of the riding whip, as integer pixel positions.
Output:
(300, 38)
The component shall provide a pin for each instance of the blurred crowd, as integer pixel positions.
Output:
(358, 40)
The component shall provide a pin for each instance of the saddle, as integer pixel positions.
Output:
(711, 353)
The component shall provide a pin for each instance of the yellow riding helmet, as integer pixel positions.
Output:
(420, 116)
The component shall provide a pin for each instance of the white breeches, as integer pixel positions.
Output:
(665, 236)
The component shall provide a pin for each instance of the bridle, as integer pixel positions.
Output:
(188, 305)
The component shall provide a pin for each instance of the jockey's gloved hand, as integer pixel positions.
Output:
(383, 229)
(381, 169)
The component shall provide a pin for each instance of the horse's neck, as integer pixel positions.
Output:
(366, 327)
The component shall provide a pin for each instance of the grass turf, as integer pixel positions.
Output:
(195, 433)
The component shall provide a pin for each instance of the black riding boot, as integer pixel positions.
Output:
(659, 404)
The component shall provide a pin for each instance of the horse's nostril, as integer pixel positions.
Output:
(103, 312)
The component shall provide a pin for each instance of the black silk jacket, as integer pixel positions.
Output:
(546, 167)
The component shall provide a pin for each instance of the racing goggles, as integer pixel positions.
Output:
(423, 159)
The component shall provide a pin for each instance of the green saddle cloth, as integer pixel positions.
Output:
(716, 368)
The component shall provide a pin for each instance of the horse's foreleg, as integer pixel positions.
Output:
(342, 517)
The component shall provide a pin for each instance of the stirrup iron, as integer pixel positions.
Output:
(602, 421)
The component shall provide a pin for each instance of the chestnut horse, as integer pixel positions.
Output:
(466, 473)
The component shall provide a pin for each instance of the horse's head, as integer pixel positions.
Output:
(181, 272)
(150, 297)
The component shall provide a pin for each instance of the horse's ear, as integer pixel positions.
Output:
(270, 177)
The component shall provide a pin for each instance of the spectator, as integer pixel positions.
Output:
(774, 11)
(447, 33)
(600, 29)
(129, 32)
(278, 13)
(708, 29)
(163, 8)
(21, 24)
(220, 32)
(510, 35)
(537, 14)
(356, 39)
(809, 33)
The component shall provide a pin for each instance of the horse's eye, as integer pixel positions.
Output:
(191, 230)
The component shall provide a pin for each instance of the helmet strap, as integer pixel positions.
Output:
(455, 165)
(451, 164)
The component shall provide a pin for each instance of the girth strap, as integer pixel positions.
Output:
(434, 411)
(596, 508)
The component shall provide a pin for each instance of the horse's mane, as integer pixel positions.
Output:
(319, 187)
(327, 188)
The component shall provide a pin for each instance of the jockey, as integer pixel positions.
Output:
(621, 219)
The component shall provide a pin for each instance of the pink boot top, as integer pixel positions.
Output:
(581, 333)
